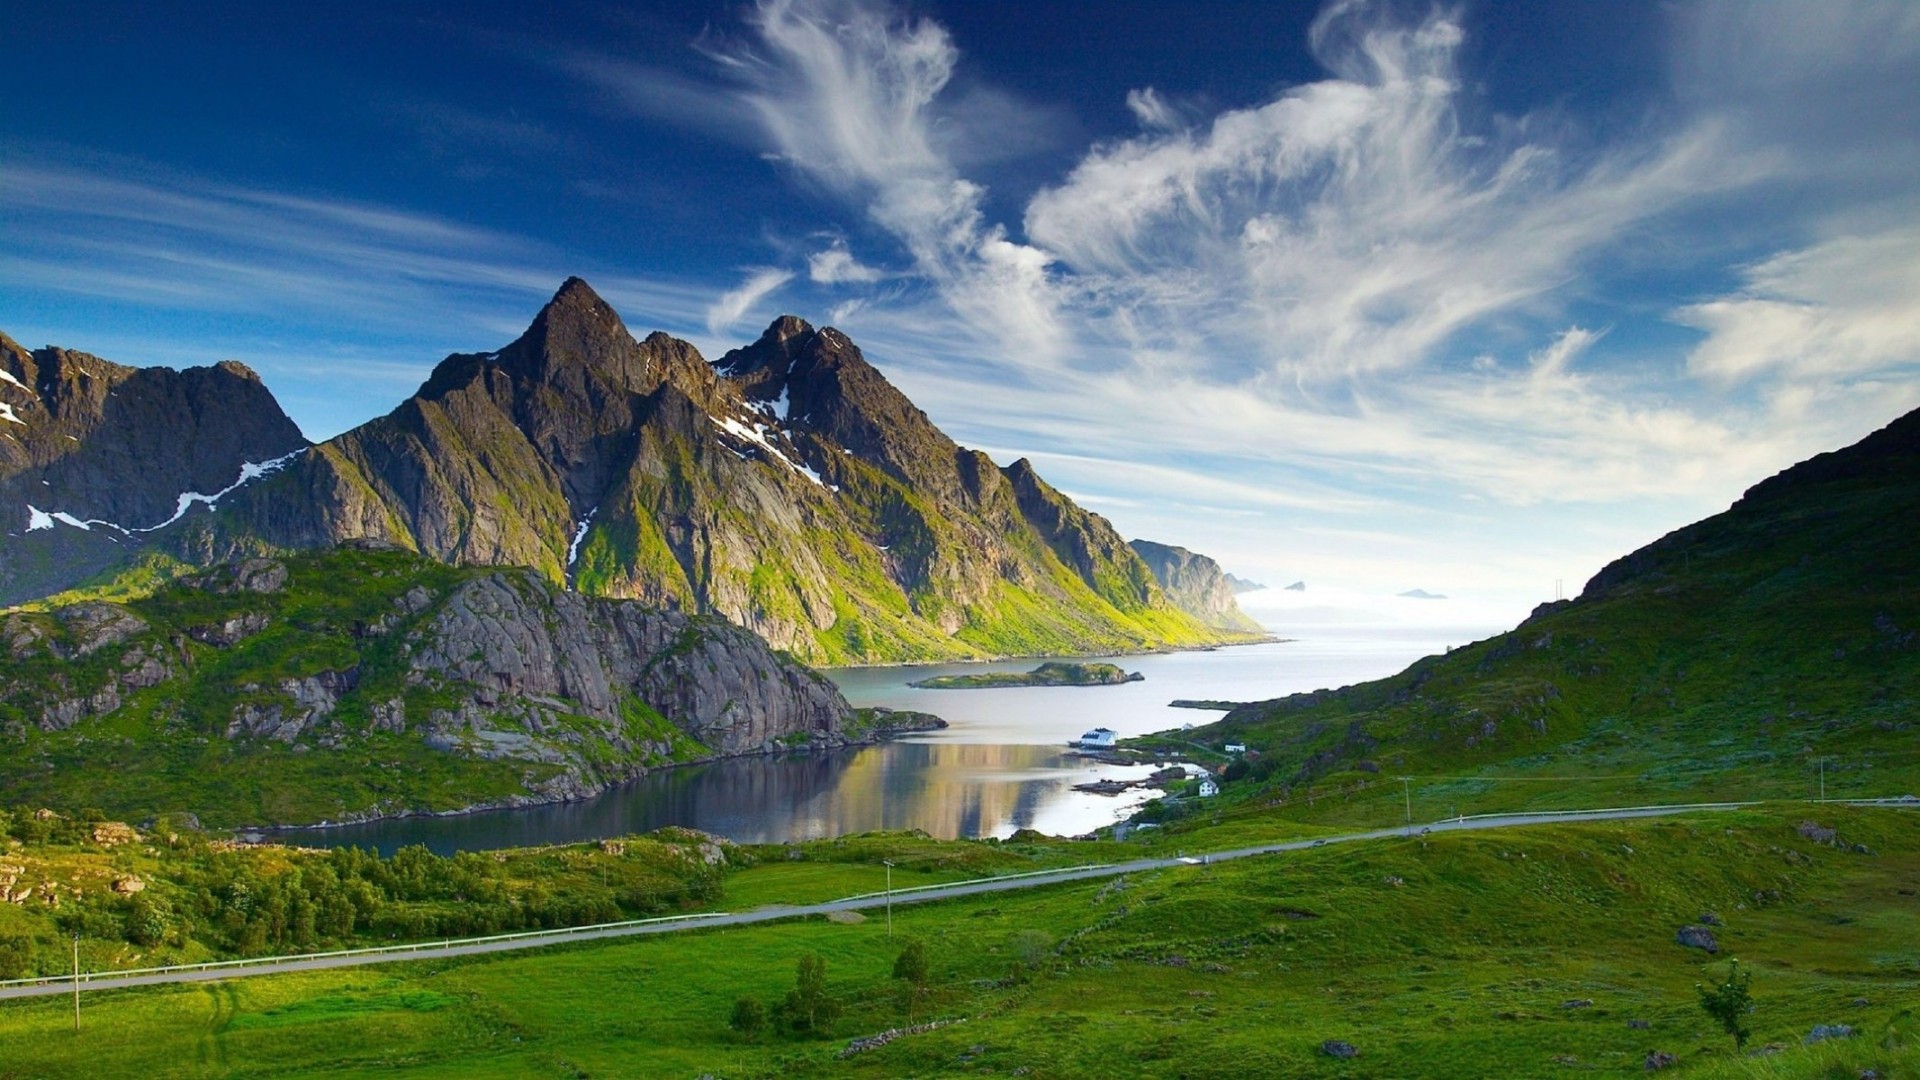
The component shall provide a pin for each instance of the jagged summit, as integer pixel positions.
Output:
(830, 389)
(576, 337)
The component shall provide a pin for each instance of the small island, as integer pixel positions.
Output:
(1051, 673)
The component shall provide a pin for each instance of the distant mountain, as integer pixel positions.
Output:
(1196, 585)
(1720, 661)
(94, 456)
(1298, 586)
(1240, 584)
(361, 682)
(1422, 594)
(789, 488)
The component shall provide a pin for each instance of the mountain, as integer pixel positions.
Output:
(94, 456)
(1240, 584)
(364, 681)
(1422, 594)
(788, 487)
(1196, 585)
(1758, 653)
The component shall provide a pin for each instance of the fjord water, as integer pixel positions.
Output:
(1001, 765)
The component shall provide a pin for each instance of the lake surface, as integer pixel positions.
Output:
(1000, 766)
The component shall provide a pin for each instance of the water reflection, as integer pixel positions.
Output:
(948, 789)
(1001, 766)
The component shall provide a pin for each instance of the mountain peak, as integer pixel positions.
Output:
(576, 331)
(786, 328)
(575, 290)
(577, 305)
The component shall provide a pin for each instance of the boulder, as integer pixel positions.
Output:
(1697, 937)
(1818, 833)
(1335, 1048)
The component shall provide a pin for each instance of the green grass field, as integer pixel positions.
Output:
(1450, 955)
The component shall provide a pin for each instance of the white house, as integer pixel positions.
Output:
(1236, 748)
(1098, 739)
(1208, 789)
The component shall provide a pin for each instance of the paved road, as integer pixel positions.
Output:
(861, 903)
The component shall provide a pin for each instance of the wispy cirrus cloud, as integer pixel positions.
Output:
(734, 304)
(845, 92)
(1354, 224)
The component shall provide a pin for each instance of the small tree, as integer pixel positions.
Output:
(749, 1017)
(911, 969)
(808, 1008)
(1730, 1002)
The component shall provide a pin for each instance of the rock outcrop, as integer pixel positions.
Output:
(1196, 585)
(344, 652)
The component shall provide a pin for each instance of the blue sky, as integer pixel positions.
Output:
(1379, 296)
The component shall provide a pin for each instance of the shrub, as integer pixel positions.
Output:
(1730, 1002)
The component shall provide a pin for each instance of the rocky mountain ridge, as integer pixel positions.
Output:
(95, 456)
(788, 487)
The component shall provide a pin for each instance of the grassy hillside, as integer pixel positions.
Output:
(1525, 953)
(1747, 656)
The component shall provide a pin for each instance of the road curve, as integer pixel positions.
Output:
(56, 984)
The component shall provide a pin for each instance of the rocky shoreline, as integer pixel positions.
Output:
(889, 723)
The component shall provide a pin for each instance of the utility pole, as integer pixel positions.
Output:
(1407, 792)
(889, 866)
(76, 982)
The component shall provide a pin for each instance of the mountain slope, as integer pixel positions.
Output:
(94, 455)
(789, 488)
(1751, 654)
(1197, 585)
(360, 681)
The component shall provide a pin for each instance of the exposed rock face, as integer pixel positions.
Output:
(512, 635)
(1196, 585)
(73, 633)
(115, 447)
(497, 666)
(789, 488)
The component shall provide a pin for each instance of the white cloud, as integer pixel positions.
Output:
(845, 91)
(837, 266)
(1152, 110)
(1353, 224)
(1839, 309)
(734, 304)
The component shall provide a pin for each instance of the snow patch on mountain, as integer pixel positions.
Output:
(249, 472)
(757, 435)
(579, 536)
